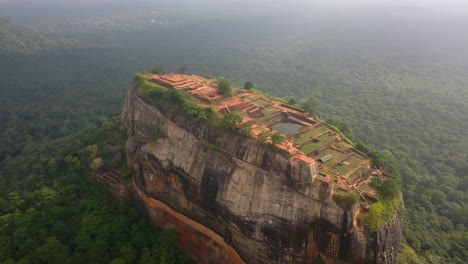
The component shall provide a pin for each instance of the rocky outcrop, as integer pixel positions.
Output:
(234, 200)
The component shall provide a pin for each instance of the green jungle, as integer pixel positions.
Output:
(63, 82)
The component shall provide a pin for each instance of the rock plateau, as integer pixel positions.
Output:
(233, 199)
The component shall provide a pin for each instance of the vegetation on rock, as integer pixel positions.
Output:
(246, 131)
(346, 199)
(277, 138)
(231, 121)
(384, 209)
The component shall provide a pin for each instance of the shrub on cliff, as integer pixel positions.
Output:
(247, 131)
(346, 199)
(264, 136)
(209, 115)
(268, 137)
(277, 138)
(192, 109)
(389, 189)
(231, 121)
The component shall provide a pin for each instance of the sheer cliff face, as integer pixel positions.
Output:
(234, 200)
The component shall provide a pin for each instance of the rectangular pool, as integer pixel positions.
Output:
(287, 128)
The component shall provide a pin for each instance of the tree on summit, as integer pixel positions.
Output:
(248, 85)
(157, 70)
(183, 70)
(311, 106)
(224, 86)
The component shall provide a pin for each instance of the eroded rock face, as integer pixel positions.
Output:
(257, 206)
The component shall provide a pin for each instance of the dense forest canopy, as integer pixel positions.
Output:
(396, 74)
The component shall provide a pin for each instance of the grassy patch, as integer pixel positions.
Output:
(260, 102)
(255, 91)
(337, 156)
(149, 89)
(251, 98)
(323, 171)
(355, 160)
(277, 99)
(238, 112)
(303, 137)
(179, 98)
(237, 89)
(341, 146)
(313, 146)
(318, 130)
(349, 164)
(340, 169)
(271, 112)
(269, 107)
(309, 148)
(352, 178)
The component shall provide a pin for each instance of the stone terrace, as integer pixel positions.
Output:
(344, 165)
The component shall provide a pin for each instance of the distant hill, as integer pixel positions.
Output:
(20, 39)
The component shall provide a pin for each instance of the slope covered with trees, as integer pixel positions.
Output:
(51, 211)
(57, 214)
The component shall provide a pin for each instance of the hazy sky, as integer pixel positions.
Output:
(442, 4)
(23, 11)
